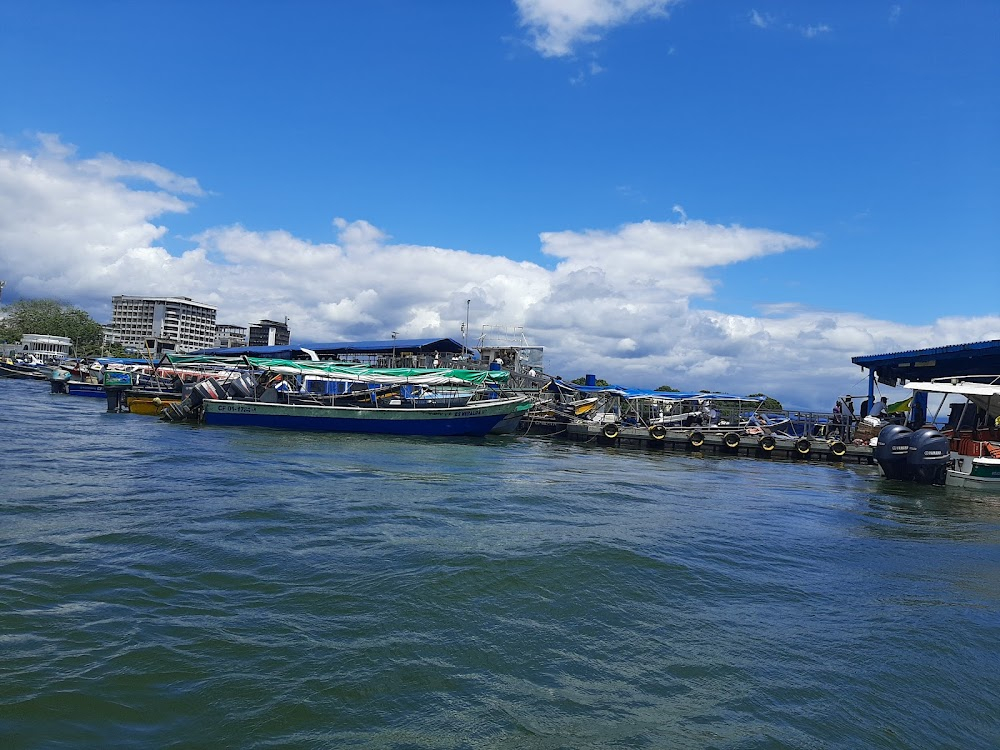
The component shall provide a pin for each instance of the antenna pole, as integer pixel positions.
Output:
(465, 332)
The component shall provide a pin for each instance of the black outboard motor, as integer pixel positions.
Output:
(928, 456)
(178, 412)
(892, 449)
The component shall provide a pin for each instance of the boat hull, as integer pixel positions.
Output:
(22, 372)
(972, 472)
(476, 419)
(92, 390)
(149, 405)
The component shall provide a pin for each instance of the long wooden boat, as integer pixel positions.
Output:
(325, 396)
(477, 418)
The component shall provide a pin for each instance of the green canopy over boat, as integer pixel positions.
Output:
(349, 371)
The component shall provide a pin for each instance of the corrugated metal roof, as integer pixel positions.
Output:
(956, 360)
(934, 351)
(443, 346)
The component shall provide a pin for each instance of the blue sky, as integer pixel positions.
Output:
(724, 195)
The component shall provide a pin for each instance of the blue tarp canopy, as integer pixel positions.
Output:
(636, 393)
(344, 349)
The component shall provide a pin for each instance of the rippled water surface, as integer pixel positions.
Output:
(176, 586)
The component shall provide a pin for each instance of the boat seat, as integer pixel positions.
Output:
(993, 450)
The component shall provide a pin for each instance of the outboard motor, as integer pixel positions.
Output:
(178, 412)
(210, 388)
(892, 449)
(188, 408)
(928, 456)
(58, 380)
(241, 387)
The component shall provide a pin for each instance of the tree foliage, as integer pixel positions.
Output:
(668, 389)
(771, 404)
(583, 381)
(48, 317)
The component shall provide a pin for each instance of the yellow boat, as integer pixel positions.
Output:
(150, 405)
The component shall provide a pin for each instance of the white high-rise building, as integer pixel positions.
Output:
(189, 324)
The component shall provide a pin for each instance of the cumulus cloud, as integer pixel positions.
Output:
(556, 27)
(629, 304)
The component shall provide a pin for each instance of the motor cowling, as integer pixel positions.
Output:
(892, 449)
(210, 388)
(927, 457)
(242, 386)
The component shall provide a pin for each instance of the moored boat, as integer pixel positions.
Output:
(965, 452)
(474, 419)
(22, 370)
(339, 397)
(150, 403)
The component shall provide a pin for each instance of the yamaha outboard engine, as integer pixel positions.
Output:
(891, 450)
(928, 456)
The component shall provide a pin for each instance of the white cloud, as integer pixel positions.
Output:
(811, 32)
(760, 20)
(767, 21)
(622, 303)
(556, 27)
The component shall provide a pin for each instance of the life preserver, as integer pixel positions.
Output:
(610, 431)
(838, 448)
(803, 446)
(766, 443)
(657, 432)
(696, 439)
(732, 440)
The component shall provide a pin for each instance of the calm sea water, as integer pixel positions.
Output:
(173, 586)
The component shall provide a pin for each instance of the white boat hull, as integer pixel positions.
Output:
(973, 472)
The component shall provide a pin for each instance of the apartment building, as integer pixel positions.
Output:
(269, 333)
(230, 336)
(189, 324)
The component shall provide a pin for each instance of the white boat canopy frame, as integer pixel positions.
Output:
(983, 395)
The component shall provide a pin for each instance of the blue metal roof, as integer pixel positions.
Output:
(426, 346)
(976, 358)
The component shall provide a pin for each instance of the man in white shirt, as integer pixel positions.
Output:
(879, 408)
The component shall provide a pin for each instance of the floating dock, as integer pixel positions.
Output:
(706, 441)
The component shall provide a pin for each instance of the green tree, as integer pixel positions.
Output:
(668, 389)
(583, 381)
(771, 404)
(51, 318)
